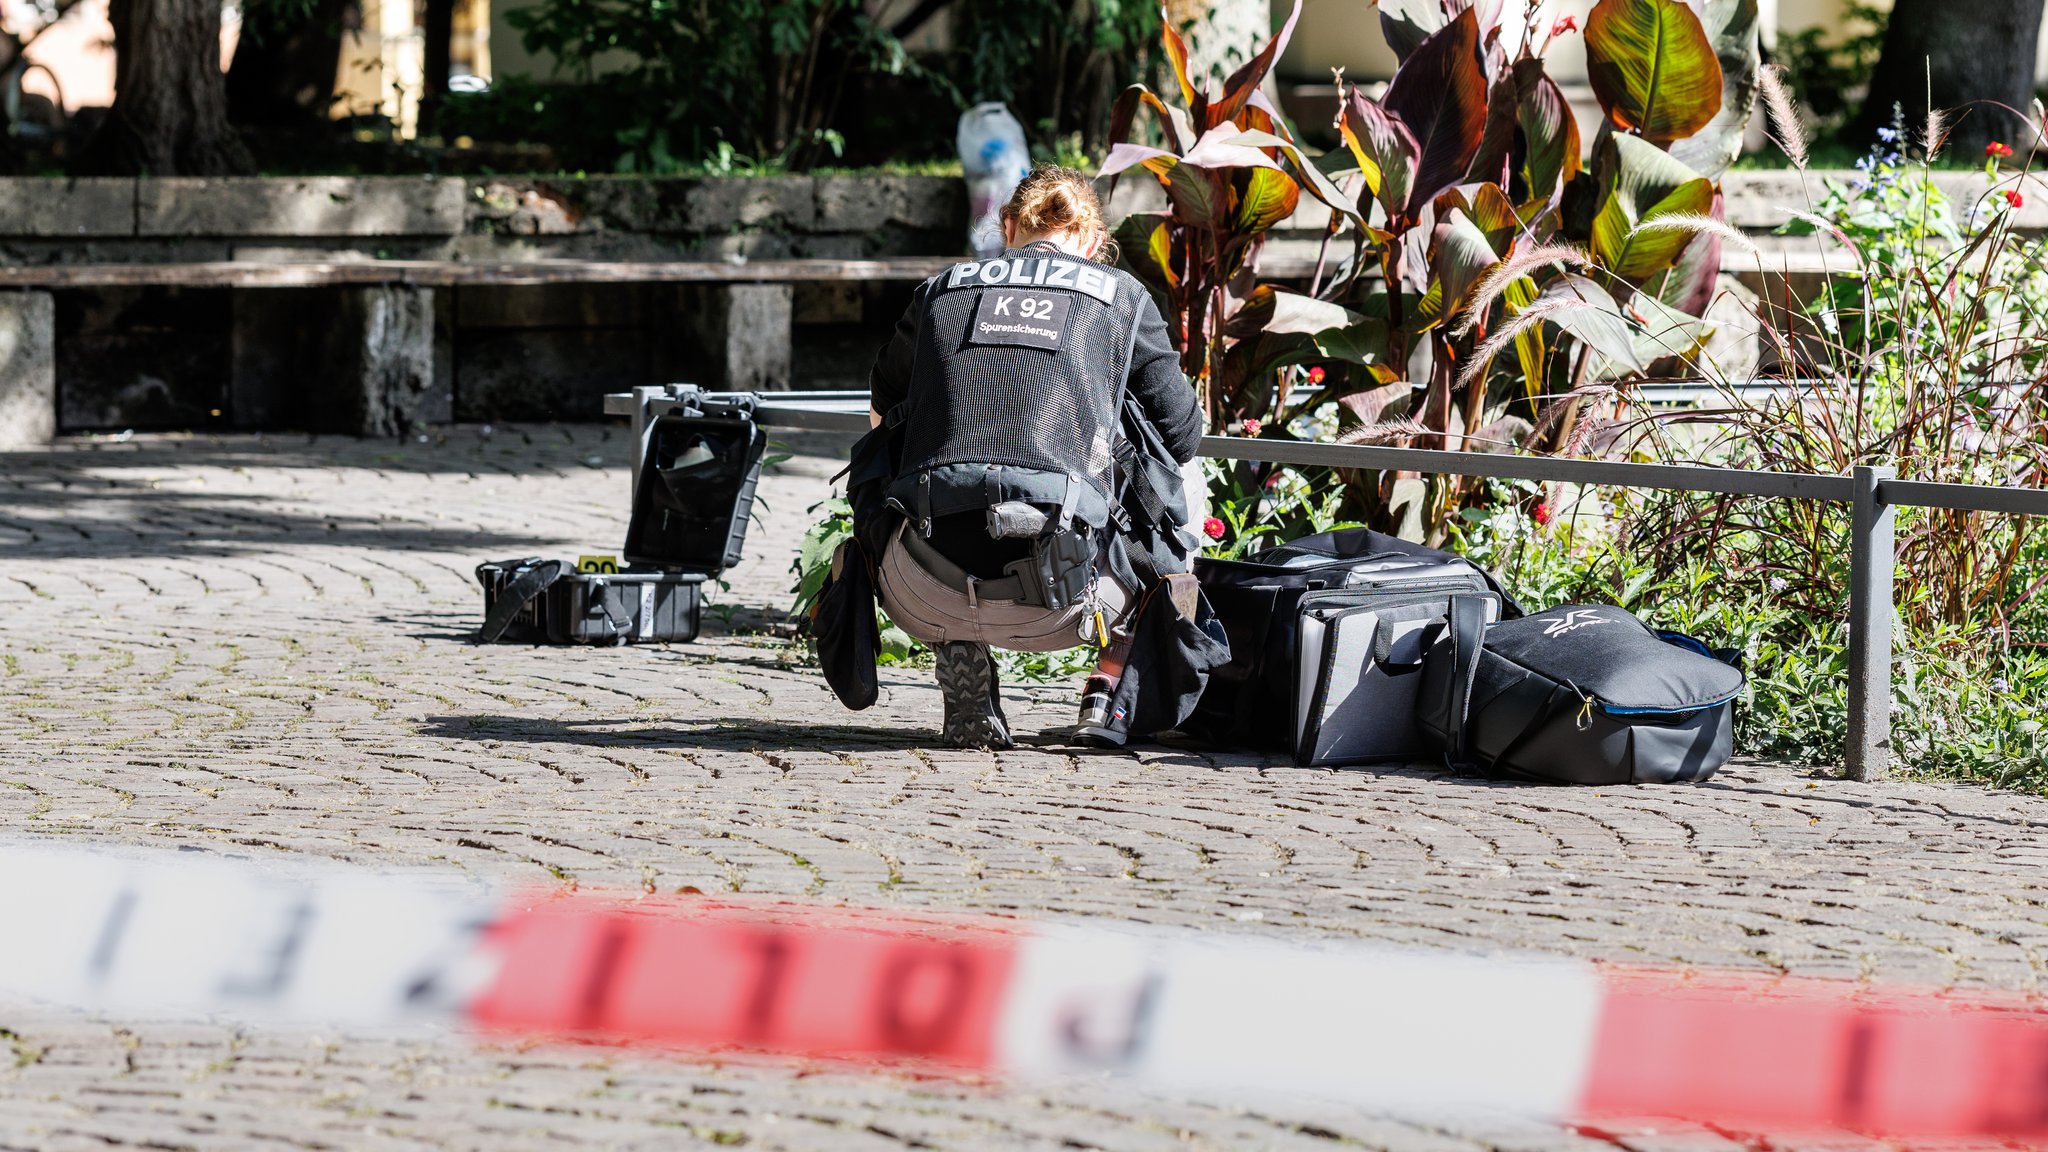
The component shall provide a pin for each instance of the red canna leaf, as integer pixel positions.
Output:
(1440, 94)
(1238, 90)
(1177, 55)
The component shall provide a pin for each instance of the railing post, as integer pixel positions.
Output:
(1869, 752)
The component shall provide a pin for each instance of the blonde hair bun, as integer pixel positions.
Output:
(1052, 200)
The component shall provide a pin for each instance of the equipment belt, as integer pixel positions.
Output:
(955, 577)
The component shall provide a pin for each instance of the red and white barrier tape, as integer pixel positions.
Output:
(178, 934)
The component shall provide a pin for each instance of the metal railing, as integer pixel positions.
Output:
(1872, 493)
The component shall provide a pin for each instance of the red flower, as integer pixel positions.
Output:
(2013, 197)
(1998, 150)
(1564, 25)
(1212, 528)
(1540, 513)
(1251, 428)
(1315, 374)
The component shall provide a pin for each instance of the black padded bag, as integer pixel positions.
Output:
(1250, 701)
(1582, 694)
(845, 629)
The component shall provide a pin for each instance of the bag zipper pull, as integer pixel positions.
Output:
(1585, 720)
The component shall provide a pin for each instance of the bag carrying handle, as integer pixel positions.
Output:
(522, 591)
(1383, 652)
(1467, 621)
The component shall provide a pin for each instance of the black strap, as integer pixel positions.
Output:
(1383, 652)
(1468, 636)
(517, 595)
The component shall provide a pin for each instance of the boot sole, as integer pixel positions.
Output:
(967, 683)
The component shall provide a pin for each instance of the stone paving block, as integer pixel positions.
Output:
(274, 660)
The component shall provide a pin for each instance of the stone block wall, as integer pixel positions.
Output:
(169, 358)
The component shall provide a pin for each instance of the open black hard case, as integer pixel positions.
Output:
(692, 501)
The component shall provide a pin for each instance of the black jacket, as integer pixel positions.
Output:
(1023, 362)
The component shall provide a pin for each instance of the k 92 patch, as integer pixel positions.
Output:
(1021, 316)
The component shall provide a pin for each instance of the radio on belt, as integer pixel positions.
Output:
(692, 501)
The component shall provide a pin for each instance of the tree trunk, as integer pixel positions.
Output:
(285, 63)
(1973, 54)
(170, 113)
(436, 60)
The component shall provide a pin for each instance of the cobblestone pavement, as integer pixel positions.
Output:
(261, 646)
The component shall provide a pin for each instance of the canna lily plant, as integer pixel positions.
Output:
(1523, 282)
(1495, 280)
(1231, 170)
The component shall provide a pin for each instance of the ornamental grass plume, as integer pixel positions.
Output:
(1497, 279)
(1786, 130)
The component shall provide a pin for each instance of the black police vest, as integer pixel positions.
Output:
(1017, 385)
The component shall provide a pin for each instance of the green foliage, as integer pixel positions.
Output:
(1958, 711)
(833, 526)
(1230, 171)
(1260, 508)
(1931, 355)
(1055, 63)
(1829, 67)
(1514, 284)
(686, 80)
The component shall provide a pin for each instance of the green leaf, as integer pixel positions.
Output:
(1386, 151)
(1732, 26)
(1194, 195)
(1550, 129)
(1282, 311)
(1588, 313)
(1264, 198)
(1439, 92)
(1532, 347)
(1689, 284)
(1652, 67)
(1304, 169)
(1643, 183)
(1495, 216)
(1662, 332)
(1363, 341)
(1460, 255)
(1144, 243)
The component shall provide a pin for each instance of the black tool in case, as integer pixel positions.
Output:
(692, 502)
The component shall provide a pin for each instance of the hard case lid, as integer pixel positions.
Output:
(695, 493)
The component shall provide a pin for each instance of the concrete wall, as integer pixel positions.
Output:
(171, 358)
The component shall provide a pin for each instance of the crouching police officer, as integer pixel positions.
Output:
(1026, 405)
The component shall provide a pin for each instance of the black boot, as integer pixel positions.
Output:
(974, 713)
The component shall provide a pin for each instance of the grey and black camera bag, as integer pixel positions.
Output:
(1582, 694)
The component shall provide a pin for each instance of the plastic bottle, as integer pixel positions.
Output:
(995, 159)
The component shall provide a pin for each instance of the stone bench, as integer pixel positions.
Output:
(353, 348)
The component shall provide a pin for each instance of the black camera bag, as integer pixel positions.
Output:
(1582, 694)
(1251, 701)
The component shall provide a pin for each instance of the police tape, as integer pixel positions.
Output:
(182, 934)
